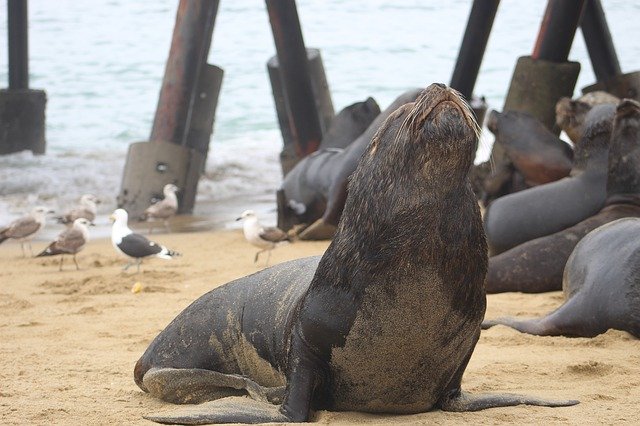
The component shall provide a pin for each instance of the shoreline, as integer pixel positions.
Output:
(71, 338)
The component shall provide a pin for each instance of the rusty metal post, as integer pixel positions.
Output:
(18, 44)
(22, 109)
(597, 37)
(296, 80)
(474, 44)
(540, 80)
(557, 30)
(177, 149)
(604, 59)
(189, 49)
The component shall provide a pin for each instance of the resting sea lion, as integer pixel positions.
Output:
(388, 321)
(536, 153)
(317, 187)
(601, 286)
(535, 212)
(536, 266)
(571, 114)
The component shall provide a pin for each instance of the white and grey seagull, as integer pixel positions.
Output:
(132, 245)
(87, 208)
(265, 237)
(26, 227)
(164, 209)
(70, 241)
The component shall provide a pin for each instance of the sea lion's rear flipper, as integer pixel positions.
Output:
(570, 319)
(195, 385)
(225, 410)
(463, 401)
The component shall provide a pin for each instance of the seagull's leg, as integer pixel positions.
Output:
(268, 257)
(255, 259)
(138, 266)
(166, 226)
(76, 262)
(127, 266)
(61, 260)
(22, 247)
(30, 249)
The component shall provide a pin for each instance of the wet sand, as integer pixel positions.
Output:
(69, 340)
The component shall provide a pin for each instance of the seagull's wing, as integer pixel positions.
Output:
(162, 209)
(136, 245)
(273, 234)
(70, 241)
(22, 227)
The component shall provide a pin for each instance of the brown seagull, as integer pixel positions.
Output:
(265, 237)
(70, 241)
(26, 227)
(164, 209)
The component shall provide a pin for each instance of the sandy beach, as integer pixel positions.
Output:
(69, 340)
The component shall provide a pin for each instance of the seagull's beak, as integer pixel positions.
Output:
(51, 212)
(92, 224)
(112, 218)
(240, 218)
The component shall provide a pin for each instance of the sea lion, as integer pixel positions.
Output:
(536, 266)
(349, 123)
(317, 187)
(384, 322)
(542, 210)
(601, 286)
(570, 114)
(535, 152)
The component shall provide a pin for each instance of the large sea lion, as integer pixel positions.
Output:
(535, 212)
(536, 266)
(571, 113)
(601, 286)
(317, 187)
(384, 322)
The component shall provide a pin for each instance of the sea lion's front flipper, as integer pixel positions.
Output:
(463, 401)
(226, 410)
(195, 385)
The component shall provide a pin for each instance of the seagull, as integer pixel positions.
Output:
(87, 208)
(26, 227)
(132, 245)
(266, 238)
(164, 209)
(70, 241)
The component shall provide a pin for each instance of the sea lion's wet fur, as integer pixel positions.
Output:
(391, 316)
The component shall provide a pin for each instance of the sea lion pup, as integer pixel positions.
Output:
(537, 153)
(316, 189)
(390, 318)
(535, 212)
(536, 266)
(571, 114)
(601, 286)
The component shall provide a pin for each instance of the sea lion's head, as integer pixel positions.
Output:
(571, 114)
(624, 152)
(434, 137)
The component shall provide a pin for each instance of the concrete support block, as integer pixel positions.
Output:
(537, 85)
(22, 120)
(152, 165)
(622, 86)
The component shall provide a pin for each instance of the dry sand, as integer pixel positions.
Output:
(69, 340)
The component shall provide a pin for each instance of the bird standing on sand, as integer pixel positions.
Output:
(267, 238)
(134, 246)
(70, 241)
(87, 208)
(164, 209)
(26, 227)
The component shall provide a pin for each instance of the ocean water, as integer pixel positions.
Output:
(101, 63)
